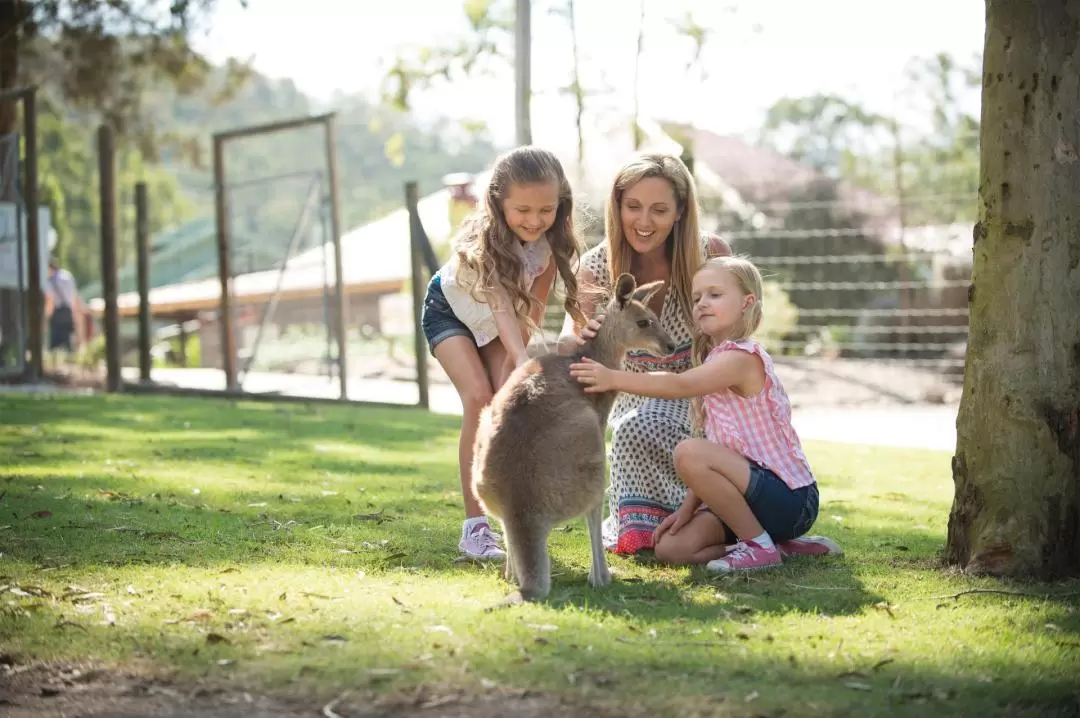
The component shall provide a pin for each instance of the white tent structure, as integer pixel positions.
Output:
(375, 260)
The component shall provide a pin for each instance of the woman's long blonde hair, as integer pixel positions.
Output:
(682, 246)
(485, 245)
(748, 276)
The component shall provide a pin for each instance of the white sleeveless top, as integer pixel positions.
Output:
(457, 281)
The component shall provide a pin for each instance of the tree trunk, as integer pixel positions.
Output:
(579, 92)
(10, 12)
(638, 135)
(1016, 509)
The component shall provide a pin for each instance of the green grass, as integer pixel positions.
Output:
(307, 549)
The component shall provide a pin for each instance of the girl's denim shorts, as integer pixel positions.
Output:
(783, 512)
(438, 320)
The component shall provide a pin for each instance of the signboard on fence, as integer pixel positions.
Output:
(11, 239)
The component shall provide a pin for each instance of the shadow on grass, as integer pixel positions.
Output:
(163, 482)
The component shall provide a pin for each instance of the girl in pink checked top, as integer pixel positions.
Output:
(749, 477)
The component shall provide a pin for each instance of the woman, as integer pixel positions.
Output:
(652, 232)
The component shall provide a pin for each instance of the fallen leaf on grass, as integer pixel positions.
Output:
(43, 514)
(309, 594)
(438, 701)
(70, 624)
(216, 638)
(109, 614)
(203, 615)
(376, 517)
(543, 626)
(382, 672)
(884, 606)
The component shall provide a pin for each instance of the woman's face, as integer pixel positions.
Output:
(648, 210)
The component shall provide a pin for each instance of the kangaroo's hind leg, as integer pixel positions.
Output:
(508, 568)
(599, 574)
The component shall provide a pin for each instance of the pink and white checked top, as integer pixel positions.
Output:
(758, 427)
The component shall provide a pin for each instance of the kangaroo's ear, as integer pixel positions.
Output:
(624, 289)
(646, 291)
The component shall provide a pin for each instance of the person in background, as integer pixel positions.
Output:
(64, 311)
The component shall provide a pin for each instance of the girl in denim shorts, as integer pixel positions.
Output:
(483, 304)
(749, 481)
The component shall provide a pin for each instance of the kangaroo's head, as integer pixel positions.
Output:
(630, 324)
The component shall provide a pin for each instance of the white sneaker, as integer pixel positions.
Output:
(480, 543)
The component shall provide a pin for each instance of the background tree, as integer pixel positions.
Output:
(1016, 509)
(96, 57)
(928, 158)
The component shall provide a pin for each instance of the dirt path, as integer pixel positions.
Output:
(97, 691)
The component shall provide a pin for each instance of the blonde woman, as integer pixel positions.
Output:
(749, 481)
(652, 232)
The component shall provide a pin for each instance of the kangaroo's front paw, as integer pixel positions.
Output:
(599, 578)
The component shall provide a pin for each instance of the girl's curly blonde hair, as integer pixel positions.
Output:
(486, 243)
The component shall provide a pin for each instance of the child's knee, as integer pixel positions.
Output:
(689, 455)
(672, 550)
(474, 400)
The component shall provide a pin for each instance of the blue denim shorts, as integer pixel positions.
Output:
(783, 512)
(437, 319)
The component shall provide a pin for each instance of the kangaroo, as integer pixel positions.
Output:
(539, 453)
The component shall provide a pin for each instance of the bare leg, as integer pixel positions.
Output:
(599, 574)
(497, 363)
(701, 540)
(461, 360)
(720, 477)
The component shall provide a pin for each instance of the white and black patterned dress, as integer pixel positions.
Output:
(644, 485)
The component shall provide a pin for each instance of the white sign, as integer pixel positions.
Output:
(9, 246)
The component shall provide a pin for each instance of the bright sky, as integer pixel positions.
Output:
(763, 51)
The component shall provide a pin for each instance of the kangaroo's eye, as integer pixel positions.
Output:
(644, 323)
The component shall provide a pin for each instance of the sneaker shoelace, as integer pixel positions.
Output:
(486, 538)
(739, 551)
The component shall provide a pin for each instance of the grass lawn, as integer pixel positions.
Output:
(279, 555)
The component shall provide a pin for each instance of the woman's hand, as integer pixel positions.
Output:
(673, 522)
(596, 377)
(588, 332)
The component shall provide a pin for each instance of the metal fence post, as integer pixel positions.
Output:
(107, 169)
(142, 256)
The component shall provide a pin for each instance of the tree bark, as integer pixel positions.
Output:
(10, 12)
(1016, 510)
(10, 15)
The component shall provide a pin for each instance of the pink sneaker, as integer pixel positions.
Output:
(480, 543)
(745, 556)
(810, 546)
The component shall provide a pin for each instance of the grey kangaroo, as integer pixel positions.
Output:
(539, 457)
